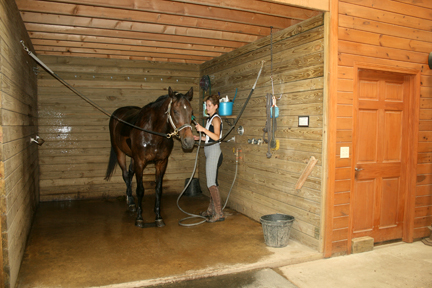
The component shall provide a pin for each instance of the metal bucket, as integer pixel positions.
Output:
(194, 188)
(276, 229)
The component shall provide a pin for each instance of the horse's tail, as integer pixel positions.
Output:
(111, 164)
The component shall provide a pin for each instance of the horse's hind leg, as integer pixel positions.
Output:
(160, 172)
(127, 177)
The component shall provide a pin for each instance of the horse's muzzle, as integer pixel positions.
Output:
(188, 143)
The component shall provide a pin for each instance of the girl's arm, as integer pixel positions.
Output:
(216, 124)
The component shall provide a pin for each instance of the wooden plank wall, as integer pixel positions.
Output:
(19, 170)
(392, 33)
(322, 5)
(74, 158)
(266, 186)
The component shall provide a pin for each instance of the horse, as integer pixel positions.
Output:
(169, 114)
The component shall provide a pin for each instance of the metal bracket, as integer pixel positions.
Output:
(37, 140)
(229, 121)
(240, 130)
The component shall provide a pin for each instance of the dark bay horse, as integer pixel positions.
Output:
(167, 114)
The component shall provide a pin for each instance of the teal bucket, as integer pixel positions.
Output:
(225, 108)
(276, 229)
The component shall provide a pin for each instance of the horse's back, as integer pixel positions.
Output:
(127, 113)
(133, 141)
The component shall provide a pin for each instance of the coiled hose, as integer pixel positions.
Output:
(193, 216)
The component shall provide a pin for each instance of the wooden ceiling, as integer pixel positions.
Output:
(187, 31)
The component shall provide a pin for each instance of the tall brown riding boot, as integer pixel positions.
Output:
(218, 215)
(210, 210)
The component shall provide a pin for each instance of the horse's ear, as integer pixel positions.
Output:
(189, 94)
(170, 92)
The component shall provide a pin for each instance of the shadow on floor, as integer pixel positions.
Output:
(95, 243)
(266, 278)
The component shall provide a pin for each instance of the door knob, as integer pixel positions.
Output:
(358, 169)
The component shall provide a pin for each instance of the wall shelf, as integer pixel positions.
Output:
(229, 119)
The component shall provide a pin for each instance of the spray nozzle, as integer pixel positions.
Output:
(194, 120)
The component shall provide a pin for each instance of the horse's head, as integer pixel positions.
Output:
(181, 114)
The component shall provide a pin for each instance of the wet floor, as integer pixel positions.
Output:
(266, 278)
(95, 243)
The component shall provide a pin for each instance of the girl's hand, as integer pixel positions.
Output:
(199, 128)
(197, 138)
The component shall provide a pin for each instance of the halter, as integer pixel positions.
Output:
(170, 120)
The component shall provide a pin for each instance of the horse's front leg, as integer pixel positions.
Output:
(160, 172)
(140, 194)
(127, 177)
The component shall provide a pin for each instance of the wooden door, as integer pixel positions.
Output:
(380, 155)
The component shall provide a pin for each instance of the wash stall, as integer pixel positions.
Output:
(317, 59)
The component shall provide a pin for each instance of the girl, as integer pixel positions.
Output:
(213, 153)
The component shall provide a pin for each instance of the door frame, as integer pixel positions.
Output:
(413, 123)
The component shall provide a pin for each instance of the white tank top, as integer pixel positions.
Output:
(209, 126)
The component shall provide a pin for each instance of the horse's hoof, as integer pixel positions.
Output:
(160, 223)
(132, 208)
(139, 223)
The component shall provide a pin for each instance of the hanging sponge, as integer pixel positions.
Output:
(277, 146)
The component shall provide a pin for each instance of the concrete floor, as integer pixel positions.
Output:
(400, 265)
(95, 243)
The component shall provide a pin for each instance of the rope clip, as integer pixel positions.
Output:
(24, 46)
(274, 101)
(174, 133)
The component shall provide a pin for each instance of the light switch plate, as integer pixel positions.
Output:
(344, 152)
(303, 121)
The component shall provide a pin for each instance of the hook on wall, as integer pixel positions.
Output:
(37, 140)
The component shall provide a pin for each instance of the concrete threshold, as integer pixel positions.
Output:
(293, 253)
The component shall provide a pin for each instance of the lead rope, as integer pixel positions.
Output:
(269, 103)
(272, 143)
(267, 127)
(271, 58)
(176, 130)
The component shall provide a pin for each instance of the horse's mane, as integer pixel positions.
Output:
(160, 99)
(163, 97)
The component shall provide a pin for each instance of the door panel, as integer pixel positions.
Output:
(393, 123)
(368, 133)
(380, 154)
(363, 210)
(394, 91)
(389, 200)
(368, 90)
